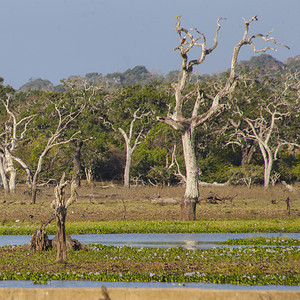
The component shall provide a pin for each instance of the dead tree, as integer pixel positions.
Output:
(266, 128)
(60, 205)
(187, 125)
(39, 240)
(128, 141)
(56, 138)
(14, 130)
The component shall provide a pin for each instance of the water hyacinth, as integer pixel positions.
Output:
(243, 265)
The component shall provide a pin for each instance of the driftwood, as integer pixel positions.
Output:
(203, 183)
(105, 293)
(164, 201)
(213, 198)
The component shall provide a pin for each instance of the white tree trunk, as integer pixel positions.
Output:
(127, 166)
(11, 170)
(267, 170)
(188, 205)
(3, 174)
(268, 162)
(89, 175)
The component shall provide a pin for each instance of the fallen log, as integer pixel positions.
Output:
(213, 198)
(164, 201)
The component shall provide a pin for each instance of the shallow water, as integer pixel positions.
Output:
(157, 240)
(119, 284)
(185, 240)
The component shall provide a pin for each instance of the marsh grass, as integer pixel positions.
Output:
(278, 241)
(248, 265)
(123, 226)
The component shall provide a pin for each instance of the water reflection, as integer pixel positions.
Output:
(153, 240)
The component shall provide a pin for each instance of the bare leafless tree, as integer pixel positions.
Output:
(189, 39)
(14, 131)
(132, 142)
(283, 103)
(55, 138)
(60, 205)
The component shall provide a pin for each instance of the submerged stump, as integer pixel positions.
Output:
(70, 243)
(39, 241)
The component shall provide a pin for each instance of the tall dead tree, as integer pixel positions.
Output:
(60, 205)
(14, 130)
(55, 138)
(130, 144)
(187, 125)
(283, 103)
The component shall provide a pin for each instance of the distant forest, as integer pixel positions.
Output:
(140, 75)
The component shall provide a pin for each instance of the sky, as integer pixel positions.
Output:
(54, 39)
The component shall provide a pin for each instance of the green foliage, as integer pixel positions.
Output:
(288, 166)
(103, 148)
(247, 174)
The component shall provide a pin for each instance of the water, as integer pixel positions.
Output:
(157, 240)
(119, 284)
(185, 240)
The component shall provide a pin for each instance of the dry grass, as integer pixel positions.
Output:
(99, 202)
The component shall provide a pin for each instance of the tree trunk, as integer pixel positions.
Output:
(61, 254)
(127, 167)
(188, 204)
(267, 171)
(3, 175)
(247, 153)
(12, 171)
(268, 163)
(33, 190)
(77, 162)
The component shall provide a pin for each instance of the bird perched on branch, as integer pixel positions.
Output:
(183, 40)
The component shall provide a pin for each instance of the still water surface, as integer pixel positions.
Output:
(157, 240)
(109, 284)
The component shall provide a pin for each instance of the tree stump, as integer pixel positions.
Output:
(39, 241)
(70, 243)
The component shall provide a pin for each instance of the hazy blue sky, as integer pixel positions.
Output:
(53, 39)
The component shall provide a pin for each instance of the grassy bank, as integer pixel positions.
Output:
(130, 226)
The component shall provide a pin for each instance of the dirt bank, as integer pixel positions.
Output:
(144, 294)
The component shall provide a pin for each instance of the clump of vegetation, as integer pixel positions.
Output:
(248, 265)
(278, 241)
